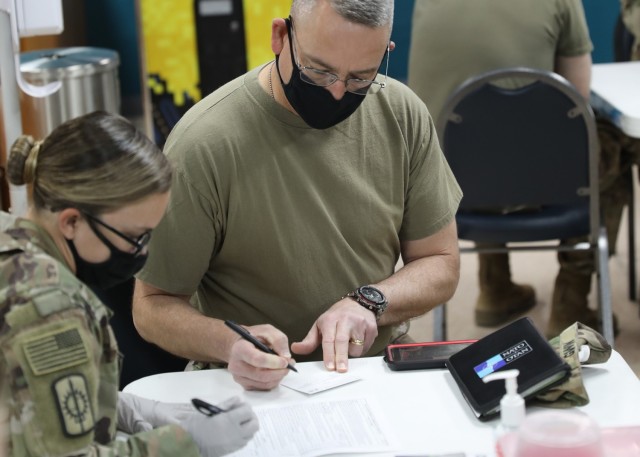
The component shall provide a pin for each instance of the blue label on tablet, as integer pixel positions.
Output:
(500, 360)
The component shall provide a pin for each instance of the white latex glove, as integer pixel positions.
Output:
(137, 414)
(225, 432)
(215, 436)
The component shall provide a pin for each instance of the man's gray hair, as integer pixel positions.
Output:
(372, 13)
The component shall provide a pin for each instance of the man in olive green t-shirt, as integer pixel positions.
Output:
(453, 40)
(297, 187)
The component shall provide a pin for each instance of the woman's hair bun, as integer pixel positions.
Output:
(18, 160)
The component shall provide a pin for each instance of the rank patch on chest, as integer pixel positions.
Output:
(74, 404)
(55, 351)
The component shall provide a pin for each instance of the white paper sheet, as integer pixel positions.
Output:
(312, 383)
(314, 428)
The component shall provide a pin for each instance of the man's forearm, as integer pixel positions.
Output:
(174, 325)
(419, 286)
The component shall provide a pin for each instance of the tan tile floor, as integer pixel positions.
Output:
(539, 269)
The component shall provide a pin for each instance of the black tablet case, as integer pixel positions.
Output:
(518, 345)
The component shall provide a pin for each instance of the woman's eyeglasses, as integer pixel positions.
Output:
(138, 243)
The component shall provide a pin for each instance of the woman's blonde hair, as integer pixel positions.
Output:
(96, 163)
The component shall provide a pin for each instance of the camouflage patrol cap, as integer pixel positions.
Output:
(572, 391)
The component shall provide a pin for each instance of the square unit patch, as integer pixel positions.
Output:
(74, 404)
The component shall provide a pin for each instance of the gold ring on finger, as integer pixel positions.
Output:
(356, 341)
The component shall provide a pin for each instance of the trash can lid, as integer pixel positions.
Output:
(60, 63)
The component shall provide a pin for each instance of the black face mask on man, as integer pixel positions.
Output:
(314, 104)
(119, 267)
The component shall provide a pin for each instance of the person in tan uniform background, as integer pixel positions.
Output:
(453, 40)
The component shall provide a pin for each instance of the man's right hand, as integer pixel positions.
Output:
(257, 370)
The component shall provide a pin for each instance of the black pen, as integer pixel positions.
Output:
(244, 333)
(206, 408)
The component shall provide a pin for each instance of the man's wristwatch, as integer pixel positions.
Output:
(371, 298)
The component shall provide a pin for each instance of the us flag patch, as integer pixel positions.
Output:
(55, 351)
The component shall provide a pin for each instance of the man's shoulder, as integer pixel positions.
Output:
(399, 95)
(217, 108)
(402, 102)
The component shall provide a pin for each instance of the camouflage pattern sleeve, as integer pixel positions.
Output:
(631, 18)
(169, 440)
(6, 220)
(59, 365)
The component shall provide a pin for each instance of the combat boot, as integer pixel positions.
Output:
(569, 304)
(500, 299)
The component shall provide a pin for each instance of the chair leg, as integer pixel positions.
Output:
(631, 225)
(604, 286)
(440, 322)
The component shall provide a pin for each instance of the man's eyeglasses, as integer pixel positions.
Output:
(138, 243)
(323, 78)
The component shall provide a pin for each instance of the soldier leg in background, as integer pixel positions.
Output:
(573, 283)
(500, 299)
(631, 18)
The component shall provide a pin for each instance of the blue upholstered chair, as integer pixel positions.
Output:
(532, 146)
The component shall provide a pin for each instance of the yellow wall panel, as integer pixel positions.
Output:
(171, 52)
(258, 15)
(168, 29)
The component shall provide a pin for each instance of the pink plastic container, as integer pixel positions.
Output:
(621, 441)
(562, 433)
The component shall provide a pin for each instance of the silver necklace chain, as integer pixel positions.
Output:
(270, 83)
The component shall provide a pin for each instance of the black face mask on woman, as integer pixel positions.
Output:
(314, 104)
(119, 267)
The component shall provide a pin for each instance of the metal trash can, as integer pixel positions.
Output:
(89, 78)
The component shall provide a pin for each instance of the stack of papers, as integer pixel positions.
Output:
(315, 428)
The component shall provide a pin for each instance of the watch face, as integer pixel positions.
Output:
(372, 294)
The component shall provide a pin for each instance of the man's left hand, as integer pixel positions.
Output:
(346, 329)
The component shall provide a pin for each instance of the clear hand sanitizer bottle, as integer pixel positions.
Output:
(511, 405)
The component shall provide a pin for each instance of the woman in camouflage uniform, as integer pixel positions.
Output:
(97, 188)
